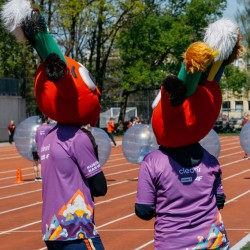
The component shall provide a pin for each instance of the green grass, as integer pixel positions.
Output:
(229, 134)
(246, 247)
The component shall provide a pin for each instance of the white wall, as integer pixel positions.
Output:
(11, 108)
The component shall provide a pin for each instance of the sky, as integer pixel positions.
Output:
(231, 9)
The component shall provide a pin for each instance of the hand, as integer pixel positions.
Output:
(220, 200)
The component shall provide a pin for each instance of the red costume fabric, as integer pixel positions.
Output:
(189, 122)
(70, 100)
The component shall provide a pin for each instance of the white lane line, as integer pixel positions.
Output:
(237, 197)
(28, 182)
(144, 245)
(18, 184)
(23, 226)
(116, 165)
(231, 163)
(9, 158)
(108, 223)
(117, 159)
(20, 194)
(231, 176)
(18, 208)
(114, 184)
(121, 172)
(227, 149)
(13, 177)
(11, 171)
(113, 221)
(241, 243)
(116, 198)
(236, 153)
(38, 190)
(40, 202)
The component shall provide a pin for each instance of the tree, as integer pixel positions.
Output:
(236, 81)
(242, 17)
(86, 30)
(152, 45)
(17, 61)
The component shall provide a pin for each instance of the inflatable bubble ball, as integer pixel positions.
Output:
(245, 137)
(24, 136)
(103, 142)
(211, 143)
(138, 141)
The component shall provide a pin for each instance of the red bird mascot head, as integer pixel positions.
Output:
(188, 105)
(65, 91)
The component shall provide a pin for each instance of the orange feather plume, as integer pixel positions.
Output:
(198, 57)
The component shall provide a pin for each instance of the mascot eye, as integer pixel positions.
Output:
(87, 77)
(156, 100)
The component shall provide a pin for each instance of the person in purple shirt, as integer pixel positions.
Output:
(181, 187)
(41, 132)
(72, 176)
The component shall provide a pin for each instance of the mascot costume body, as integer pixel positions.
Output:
(180, 183)
(66, 92)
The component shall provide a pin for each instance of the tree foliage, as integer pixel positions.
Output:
(152, 45)
(235, 81)
(129, 46)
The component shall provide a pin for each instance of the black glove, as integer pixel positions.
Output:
(220, 200)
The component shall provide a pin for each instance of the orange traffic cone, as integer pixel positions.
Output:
(19, 178)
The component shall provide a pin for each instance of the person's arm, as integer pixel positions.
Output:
(145, 199)
(144, 212)
(220, 200)
(219, 191)
(83, 153)
(98, 185)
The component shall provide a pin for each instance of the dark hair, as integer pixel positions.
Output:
(44, 118)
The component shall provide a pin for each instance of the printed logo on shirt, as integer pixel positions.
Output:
(94, 166)
(186, 180)
(45, 148)
(199, 178)
(43, 157)
(42, 132)
(189, 170)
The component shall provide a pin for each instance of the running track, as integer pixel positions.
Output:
(120, 229)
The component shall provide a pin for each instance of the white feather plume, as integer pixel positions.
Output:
(222, 35)
(12, 15)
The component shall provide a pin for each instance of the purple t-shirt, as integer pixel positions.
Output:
(68, 160)
(187, 217)
(41, 133)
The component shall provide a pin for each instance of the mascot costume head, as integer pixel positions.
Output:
(189, 104)
(65, 91)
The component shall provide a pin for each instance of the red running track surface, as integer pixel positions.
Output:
(120, 229)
